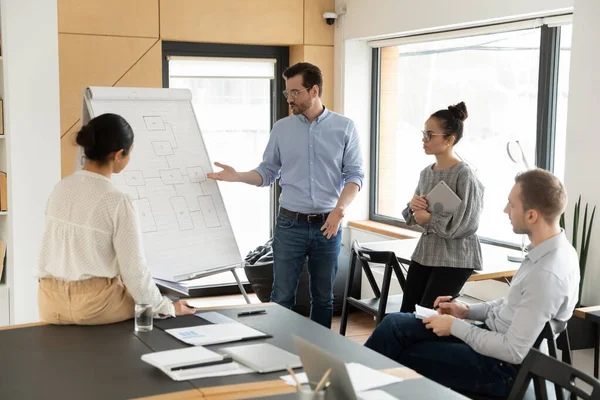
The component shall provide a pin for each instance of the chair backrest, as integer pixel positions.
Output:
(388, 258)
(540, 367)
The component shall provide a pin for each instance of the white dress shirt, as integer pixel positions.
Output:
(545, 288)
(92, 230)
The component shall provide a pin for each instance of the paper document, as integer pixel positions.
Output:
(362, 378)
(213, 334)
(376, 395)
(424, 312)
(181, 357)
(229, 369)
(193, 363)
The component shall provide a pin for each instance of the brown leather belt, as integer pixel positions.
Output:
(304, 217)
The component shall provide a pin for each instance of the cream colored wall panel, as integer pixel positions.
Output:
(265, 22)
(316, 30)
(86, 60)
(147, 72)
(109, 17)
(68, 150)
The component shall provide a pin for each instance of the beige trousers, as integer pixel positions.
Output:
(94, 301)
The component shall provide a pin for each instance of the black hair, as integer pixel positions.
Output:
(311, 75)
(104, 135)
(452, 119)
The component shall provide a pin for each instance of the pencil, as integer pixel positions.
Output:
(449, 301)
(291, 371)
(322, 381)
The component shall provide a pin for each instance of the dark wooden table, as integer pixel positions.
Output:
(103, 362)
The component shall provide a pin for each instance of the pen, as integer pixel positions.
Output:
(449, 301)
(255, 312)
(225, 360)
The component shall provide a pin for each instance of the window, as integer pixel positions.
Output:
(562, 100)
(497, 75)
(233, 98)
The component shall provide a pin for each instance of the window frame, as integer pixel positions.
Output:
(279, 109)
(546, 106)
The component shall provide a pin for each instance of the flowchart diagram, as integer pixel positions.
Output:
(184, 181)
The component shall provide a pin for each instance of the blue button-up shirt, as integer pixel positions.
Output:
(314, 160)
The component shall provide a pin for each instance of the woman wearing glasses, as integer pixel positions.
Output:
(449, 249)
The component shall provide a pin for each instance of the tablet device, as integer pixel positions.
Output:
(442, 199)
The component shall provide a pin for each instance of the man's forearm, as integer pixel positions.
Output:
(348, 194)
(250, 177)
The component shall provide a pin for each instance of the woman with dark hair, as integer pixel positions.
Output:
(92, 268)
(448, 250)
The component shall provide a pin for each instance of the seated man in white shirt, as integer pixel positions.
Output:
(485, 361)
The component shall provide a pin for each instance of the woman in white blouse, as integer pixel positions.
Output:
(92, 268)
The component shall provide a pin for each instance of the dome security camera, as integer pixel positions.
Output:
(330, 17)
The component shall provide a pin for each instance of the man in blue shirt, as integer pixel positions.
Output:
(316, 154)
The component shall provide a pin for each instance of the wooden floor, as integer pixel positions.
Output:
(360, 325)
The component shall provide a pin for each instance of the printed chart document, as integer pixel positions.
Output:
(205, 335)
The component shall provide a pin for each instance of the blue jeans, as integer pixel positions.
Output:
(293, 241)
(446, 360)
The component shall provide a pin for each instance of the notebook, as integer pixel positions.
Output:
(193, 363)
(442, 199)
(424, 312)
(263, 357)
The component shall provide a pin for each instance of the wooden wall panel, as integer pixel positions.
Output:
(316, 30)
(109, 17)
(68, 150)
(296, 54)
(86, 60)
(265, 22)
(322, 57)
(147, 72)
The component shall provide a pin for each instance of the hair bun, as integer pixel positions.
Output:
(86, 137)
(459, 110)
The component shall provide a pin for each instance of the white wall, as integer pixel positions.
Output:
(357, 100)
(583, 140)
(31, 108)
(378, 18)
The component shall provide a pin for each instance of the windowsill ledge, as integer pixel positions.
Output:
(384, 229)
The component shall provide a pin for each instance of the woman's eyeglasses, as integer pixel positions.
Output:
(294, 93)
(428, 134)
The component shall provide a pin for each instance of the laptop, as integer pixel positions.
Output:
(317, 361)
(263, 357)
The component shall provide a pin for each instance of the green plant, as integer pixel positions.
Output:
(585, 238)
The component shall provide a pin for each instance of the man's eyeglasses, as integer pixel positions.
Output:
(427, 135)
(294, 93)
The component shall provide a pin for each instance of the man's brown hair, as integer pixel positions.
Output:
(543, 192)
(311, 75)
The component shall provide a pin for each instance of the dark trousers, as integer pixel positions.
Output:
(293, 241)
(446, 360)
(424, 284)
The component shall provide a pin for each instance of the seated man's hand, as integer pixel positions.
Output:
(440, 324)
(455, 308)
